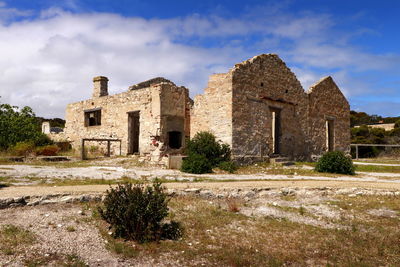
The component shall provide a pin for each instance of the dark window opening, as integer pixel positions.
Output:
(262, 84)
(287, 91)
(175, 139)
(93, 118)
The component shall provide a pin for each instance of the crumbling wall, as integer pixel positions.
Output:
(174, 101)
(238, 108)
(162, 107)
(114, 118)
(213, 111)
(326, 102)
(260, 85)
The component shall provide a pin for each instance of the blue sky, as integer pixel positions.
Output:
(51, 49)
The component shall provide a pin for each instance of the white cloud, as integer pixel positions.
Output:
(49, 60)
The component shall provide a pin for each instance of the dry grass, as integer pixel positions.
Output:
(233, 204)
(215, 236)
(376, 168)
(55, 260)
(13, 239)
(266, 168)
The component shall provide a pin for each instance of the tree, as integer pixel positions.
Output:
(19, 125)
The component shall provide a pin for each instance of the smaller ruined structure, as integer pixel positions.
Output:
(151, 118)
(261, 110)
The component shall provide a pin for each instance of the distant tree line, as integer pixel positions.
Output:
(361, 118)
(21, 125)
(368, 135)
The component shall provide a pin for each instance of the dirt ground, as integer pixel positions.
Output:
(66, 234)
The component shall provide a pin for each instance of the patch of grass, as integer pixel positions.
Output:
(280, 170)
(119, 246)
(233, 204)
(14, 238)
(379, 160)
(215, 236)
(376, 168)
(69, 260)
(365, 203)
(70, 228)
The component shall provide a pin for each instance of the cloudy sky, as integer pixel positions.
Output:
(50, 50)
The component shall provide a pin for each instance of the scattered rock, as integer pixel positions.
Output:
(192, 190)
(384, 212)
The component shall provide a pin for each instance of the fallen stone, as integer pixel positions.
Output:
(192, 190)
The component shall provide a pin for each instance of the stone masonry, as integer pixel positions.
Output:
(261, 110)
(144, 118)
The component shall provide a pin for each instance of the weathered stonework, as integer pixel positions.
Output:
(161, 107)
(259, 108)
(244, 107)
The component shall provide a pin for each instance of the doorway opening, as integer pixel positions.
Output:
(276, 130)
(330, 135)
(133, 132)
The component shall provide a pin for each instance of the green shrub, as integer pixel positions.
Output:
(137, 212)
(335, 162)
(228, 166)
(23, 149)
(49, 150)
(204, 143)
(197, 164)
(42, 140)
(19, 125)
(204, 153)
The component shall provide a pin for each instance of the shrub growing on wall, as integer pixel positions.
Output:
(137, 212)
(204, 153)
(335, 162)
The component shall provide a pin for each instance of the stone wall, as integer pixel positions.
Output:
(261, 85)
(326, 102)
(155, 103)
(213, 110)
(238, 108)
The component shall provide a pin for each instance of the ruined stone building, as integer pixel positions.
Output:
(152, 115)
(259, 108)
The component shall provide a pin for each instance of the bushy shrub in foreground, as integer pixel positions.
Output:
(204, 153)
(335, 162)
(136, 212)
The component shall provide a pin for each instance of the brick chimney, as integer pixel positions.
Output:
(100, 86)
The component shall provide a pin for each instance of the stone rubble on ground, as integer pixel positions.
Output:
(203, 193)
